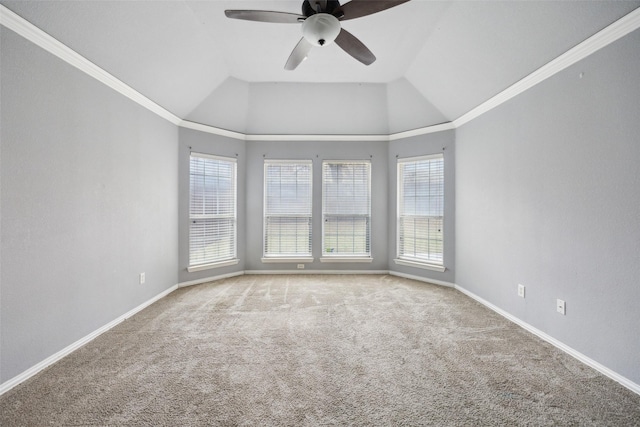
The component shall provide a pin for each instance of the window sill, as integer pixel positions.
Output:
(417, 264)
(346, 259)
(202, 267)
(294, 260)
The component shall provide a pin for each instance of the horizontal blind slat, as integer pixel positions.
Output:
(421, 209)
(287, 208)
(212, 209)
(346, 202)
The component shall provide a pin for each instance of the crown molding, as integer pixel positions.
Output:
(211, 129)
(604, 37)
(608, 35)
(422, 131)
(38, 37)
(273, 137)
(319, 138)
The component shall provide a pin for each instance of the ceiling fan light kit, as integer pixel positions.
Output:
(321, 29)
(321, 25)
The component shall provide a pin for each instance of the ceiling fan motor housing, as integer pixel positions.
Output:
(321, 29)
(310, 7)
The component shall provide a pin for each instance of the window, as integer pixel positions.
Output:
(287, 209)
(421, 211)
(212, 211)
(346, 210)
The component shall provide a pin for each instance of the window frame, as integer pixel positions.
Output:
(290, 257)
(403, 259)
(232, 259)
(346, 257)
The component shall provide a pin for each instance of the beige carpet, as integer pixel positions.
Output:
(318, 350)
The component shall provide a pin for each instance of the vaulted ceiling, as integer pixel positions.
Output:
(436, 60)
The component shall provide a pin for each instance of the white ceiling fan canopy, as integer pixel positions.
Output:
(321, 29)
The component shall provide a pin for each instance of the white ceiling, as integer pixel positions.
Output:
(436, 59)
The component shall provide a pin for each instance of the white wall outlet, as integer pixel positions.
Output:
(561, 307)
(301, 266)
(521, 291)
(142, 277)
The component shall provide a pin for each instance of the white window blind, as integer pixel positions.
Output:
(346, 208)
(421, 209)
(212, 209)
(287, 208)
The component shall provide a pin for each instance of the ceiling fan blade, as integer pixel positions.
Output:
(298, 55)
(265, 16)
(359, 8)
(354, 47)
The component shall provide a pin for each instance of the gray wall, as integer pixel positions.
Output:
(317, 151)
(200, 142)
(548, 195)
(433, 143)
(88, 201)
(94, 191)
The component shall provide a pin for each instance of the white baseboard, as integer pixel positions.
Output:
(558, 344)
(8, 385)
(422, 279)
(210, 279)
(252, 272)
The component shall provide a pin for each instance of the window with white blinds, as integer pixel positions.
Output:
(421, 209)
(287, 208)
(346, 209)
(212, 210)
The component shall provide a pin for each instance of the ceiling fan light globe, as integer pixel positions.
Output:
(321, 29)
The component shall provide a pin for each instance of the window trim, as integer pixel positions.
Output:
(424, 265)
(285, 258)
(209, 266)
(408, 260)
(233, 259)
(356, 258)
(346, 258)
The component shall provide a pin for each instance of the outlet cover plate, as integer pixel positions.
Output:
(561, 307)
(521, 291)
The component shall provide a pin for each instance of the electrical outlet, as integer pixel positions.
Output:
(301, 266)
(142, 278)
(521, 291)
(561, 307)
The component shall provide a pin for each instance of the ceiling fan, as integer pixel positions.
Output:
(321, 25)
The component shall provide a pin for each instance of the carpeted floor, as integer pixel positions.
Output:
(318, 350)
